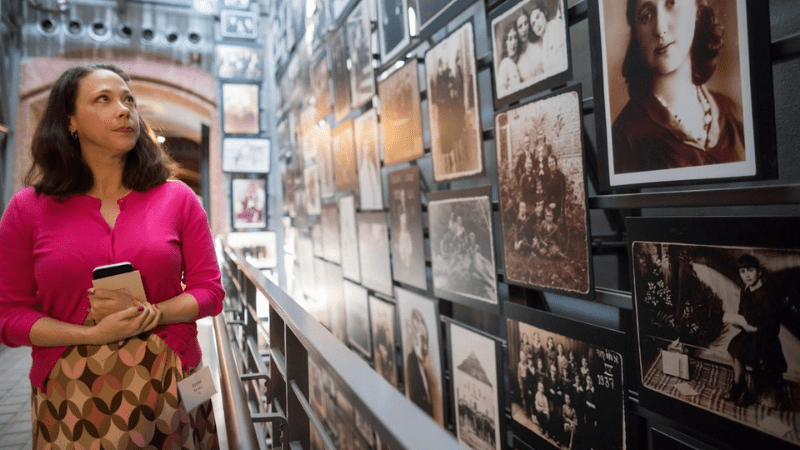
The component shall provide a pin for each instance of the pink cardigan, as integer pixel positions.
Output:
(49, 248)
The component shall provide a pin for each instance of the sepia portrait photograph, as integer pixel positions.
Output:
(344, 158)
(240, 108)
(370, 181)
(329, 220)
(249, 203)
(401, 115)
(351, 268)
(476, 388)
(422, 360)
(566, 382)
(239, 61)
(258, 247)
(383, 338)
(321, 85)
(313, 202)
(243, 155)
(393, 32)
(453, 110)
(405, 211)
(718, 322)
(542, 191)
(462, 246)
(359, 39)
(340, 73)
(683, 93)
(531, 48)
(373, 246)
(356, 306)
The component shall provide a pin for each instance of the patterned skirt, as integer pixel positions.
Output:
(119, 396)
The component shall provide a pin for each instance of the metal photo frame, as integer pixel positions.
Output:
(245, 155)
(239, 62)
(248, 203)
(393, 31)
(240, 108)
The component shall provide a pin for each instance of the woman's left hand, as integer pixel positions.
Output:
(105, 302)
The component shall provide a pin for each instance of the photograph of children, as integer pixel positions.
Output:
(240, 108)
(719, 323)
(566, 391)
(322, 89)
(401, 115)
(344, 159)
(359, 40)
(473, 361)
(422, 363)
(341, 76)
(333, 297)
(405, 211)
(330, 233)
(383, 337)
(245, 155)
(392, 27)
(370, 185)
(312, 192)
(258, 247)
(453, 110)
(543, 194)
(373, 245)
(356, 306)
(249, 201)
(676, 84)
(462, 246)
(238, 61)
(351, 267)
(530, 47)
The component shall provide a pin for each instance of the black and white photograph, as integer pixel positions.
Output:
(340, 72)
(356, 305)
(718, 324)
(422, 360)
(329, 219)
(542, 191)
(359, 40)
(313, 202)
(531, 47)
(239, 61)
(323, 147)
(453, 111)
(567, 390)
(382, 314)
(249, 203)
(333, 297)
(685, 92)
(351, 267)
(322, 89)
(236, 4)
(370, 185)
(238, 24)
(240, 108)
(245, 155)
(393, 32)
(401, 115)
(259, 248)
(373, 247)
(462, 246)
(476, 388)
(344, 160)
(405, 210)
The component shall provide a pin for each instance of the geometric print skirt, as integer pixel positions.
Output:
(122, 395)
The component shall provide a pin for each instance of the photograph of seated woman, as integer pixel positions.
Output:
(106, 365)
(673, 119)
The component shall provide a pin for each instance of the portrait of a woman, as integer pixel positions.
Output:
(508, 72)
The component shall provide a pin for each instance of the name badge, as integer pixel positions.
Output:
(197, 388)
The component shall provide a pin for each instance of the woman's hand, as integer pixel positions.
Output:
(105, 302)
(126, 323)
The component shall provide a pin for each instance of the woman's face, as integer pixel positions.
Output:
(665, 31)
(538, 22)
(523, 27)
(512, 42)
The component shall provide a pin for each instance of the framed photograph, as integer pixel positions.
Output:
(453, 110)
(383, 338)
(351, 267)
(239, 62)
(240, 108)
(462, 247)
(258, 247)
(333, 297)
(476, 386)
(341, 76)
(370, 182)
(422, 358)
(238, 24)
(393, 32)
(373, 246)
(405, 211)
(249, 203)
(330, 233)
(359, 40)
(317, 239)
(313, 201)
(244, 155)
(236, 4)
(530, 41)
(542, 191)
(356, 306)
(698, 111)
(433, 15)
(401, 115)
(322, 88)
(717, 322)
(344, 162)
(323, 148)
(308, 139)
(573, 395)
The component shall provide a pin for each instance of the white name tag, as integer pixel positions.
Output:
(197, 388)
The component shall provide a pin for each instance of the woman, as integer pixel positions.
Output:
(105, 364)
(672, 119)
(530, 49)
(508, 79)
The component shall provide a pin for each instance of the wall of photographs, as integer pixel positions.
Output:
(496, 204)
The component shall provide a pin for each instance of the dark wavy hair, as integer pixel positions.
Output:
(58, 168)
(706, 45)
